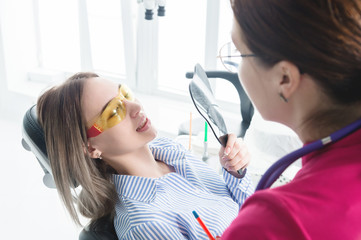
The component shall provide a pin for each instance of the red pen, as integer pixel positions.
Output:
(203, 225)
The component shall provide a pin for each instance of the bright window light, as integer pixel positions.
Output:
(224, 89)
(106, 34)
(181, 42)
(59, 35)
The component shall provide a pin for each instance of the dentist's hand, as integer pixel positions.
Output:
(235, 155)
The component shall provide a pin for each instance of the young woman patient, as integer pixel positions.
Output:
(99, 137)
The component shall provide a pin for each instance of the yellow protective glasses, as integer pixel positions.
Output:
(113, 113)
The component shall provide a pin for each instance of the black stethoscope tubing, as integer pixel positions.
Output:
(273, 173)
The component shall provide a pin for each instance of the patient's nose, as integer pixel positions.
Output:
(133, 107)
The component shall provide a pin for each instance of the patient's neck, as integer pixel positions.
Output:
(140, 163)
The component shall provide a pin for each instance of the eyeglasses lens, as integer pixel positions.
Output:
(229, 56)
(113, 114)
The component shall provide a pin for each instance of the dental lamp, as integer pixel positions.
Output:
(150, 5)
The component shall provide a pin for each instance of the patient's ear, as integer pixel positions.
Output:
(93, 152)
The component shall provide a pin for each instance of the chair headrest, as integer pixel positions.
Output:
(34, 141)
(34, 130)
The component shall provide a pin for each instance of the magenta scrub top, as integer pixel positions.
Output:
(323, 201)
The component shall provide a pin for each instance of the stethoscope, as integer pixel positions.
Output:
(272, 174)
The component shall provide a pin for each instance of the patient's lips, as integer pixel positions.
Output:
(144, 124)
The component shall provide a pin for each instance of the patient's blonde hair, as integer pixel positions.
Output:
(61, 116)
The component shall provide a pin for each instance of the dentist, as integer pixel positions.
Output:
(300, 63)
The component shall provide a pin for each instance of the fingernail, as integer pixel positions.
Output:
(227, 150)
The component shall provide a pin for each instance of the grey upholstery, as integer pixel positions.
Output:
(101, 229)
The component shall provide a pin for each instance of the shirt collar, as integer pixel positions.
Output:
(172, 155)
(134, 187)
(143, 188)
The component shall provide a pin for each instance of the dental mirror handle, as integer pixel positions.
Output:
(223, 140)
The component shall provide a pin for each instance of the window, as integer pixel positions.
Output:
(57, 35)
(181, 43)
(106, 35)
(47, 40)
(192, 32)
(18, 39)
(225, 90)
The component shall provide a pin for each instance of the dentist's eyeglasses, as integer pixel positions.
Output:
(227, 54)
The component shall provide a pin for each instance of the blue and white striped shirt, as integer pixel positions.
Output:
(161, 208)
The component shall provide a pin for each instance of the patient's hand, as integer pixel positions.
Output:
(235, 155)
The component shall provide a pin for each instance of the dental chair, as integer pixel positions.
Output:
(33, 140)
(246, 107)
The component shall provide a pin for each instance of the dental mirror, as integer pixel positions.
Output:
(205, 103)
(203, 99)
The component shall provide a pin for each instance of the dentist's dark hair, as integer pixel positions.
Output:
(321, 37)
(60, 114)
